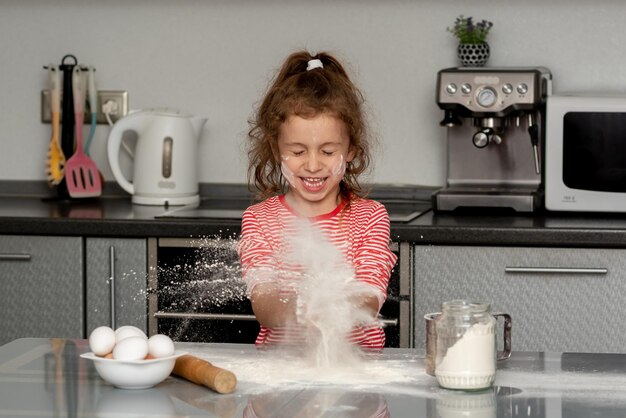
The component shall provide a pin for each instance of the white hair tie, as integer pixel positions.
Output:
(313, 64)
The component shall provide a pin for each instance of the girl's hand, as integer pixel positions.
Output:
(366, 306)
(273, 305)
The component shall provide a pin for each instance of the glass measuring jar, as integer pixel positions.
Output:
(466, 345)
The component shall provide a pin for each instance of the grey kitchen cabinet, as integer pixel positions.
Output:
(116, 282)
(41, 287)
(560, 299)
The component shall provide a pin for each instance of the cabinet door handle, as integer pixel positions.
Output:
(556, 270)
(112, 284)
(14, 257)
(405, 331)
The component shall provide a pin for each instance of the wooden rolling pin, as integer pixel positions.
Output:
(202, 372)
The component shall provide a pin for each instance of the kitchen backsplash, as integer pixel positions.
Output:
(214, 59)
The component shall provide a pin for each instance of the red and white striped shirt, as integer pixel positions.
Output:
(361, 232)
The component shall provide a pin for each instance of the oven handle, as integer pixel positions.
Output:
(234, 317)
(191, 315)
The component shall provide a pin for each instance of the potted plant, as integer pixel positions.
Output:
(473, 49)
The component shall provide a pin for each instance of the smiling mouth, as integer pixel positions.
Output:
(313, 183)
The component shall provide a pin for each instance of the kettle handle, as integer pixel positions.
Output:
(131, 122)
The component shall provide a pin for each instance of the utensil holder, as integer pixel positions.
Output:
(67, 121)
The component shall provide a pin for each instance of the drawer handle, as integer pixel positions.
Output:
(15, 257)
(556, 270)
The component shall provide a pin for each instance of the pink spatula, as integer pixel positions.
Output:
(81, 173)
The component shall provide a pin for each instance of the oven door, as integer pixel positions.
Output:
(196, 294)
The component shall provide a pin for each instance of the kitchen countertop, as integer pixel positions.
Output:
(34, 382)
(117, 217)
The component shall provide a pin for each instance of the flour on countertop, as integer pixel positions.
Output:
(270, 370)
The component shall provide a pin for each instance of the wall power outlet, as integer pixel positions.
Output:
(118, 100)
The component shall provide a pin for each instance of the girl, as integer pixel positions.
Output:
(307, 148)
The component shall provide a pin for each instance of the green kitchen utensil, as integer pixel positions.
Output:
(93, 105)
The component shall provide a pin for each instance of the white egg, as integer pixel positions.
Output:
(102, 340)
(160, 345)
(128, 331)
(131, 348)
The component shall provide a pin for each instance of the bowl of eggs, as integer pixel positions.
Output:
(128, 359)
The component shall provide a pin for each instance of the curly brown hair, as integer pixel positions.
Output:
(297, 91)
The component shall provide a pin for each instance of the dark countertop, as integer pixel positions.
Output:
(549, 229)
(104, 217)
(116, 216)
(38, 380)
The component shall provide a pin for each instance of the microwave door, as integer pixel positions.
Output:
(594, 151)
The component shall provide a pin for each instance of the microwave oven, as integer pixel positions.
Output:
(585, 153)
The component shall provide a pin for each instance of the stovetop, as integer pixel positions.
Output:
(399, 210)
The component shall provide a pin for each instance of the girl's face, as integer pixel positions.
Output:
(313, 154)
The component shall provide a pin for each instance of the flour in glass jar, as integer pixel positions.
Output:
(471, 362)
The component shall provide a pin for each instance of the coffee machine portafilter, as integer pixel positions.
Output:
(494, 119)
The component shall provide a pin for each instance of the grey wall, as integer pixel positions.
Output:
(215, 57)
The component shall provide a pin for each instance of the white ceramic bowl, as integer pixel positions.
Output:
(133, 374)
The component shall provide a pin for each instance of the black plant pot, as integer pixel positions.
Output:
(473, 55)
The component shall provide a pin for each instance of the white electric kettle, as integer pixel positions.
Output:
(165, 168)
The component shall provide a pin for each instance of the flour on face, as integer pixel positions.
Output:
(287, 173)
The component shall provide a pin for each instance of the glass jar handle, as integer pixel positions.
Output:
(506, 352)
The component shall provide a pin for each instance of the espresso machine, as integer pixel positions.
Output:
(495, 136)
